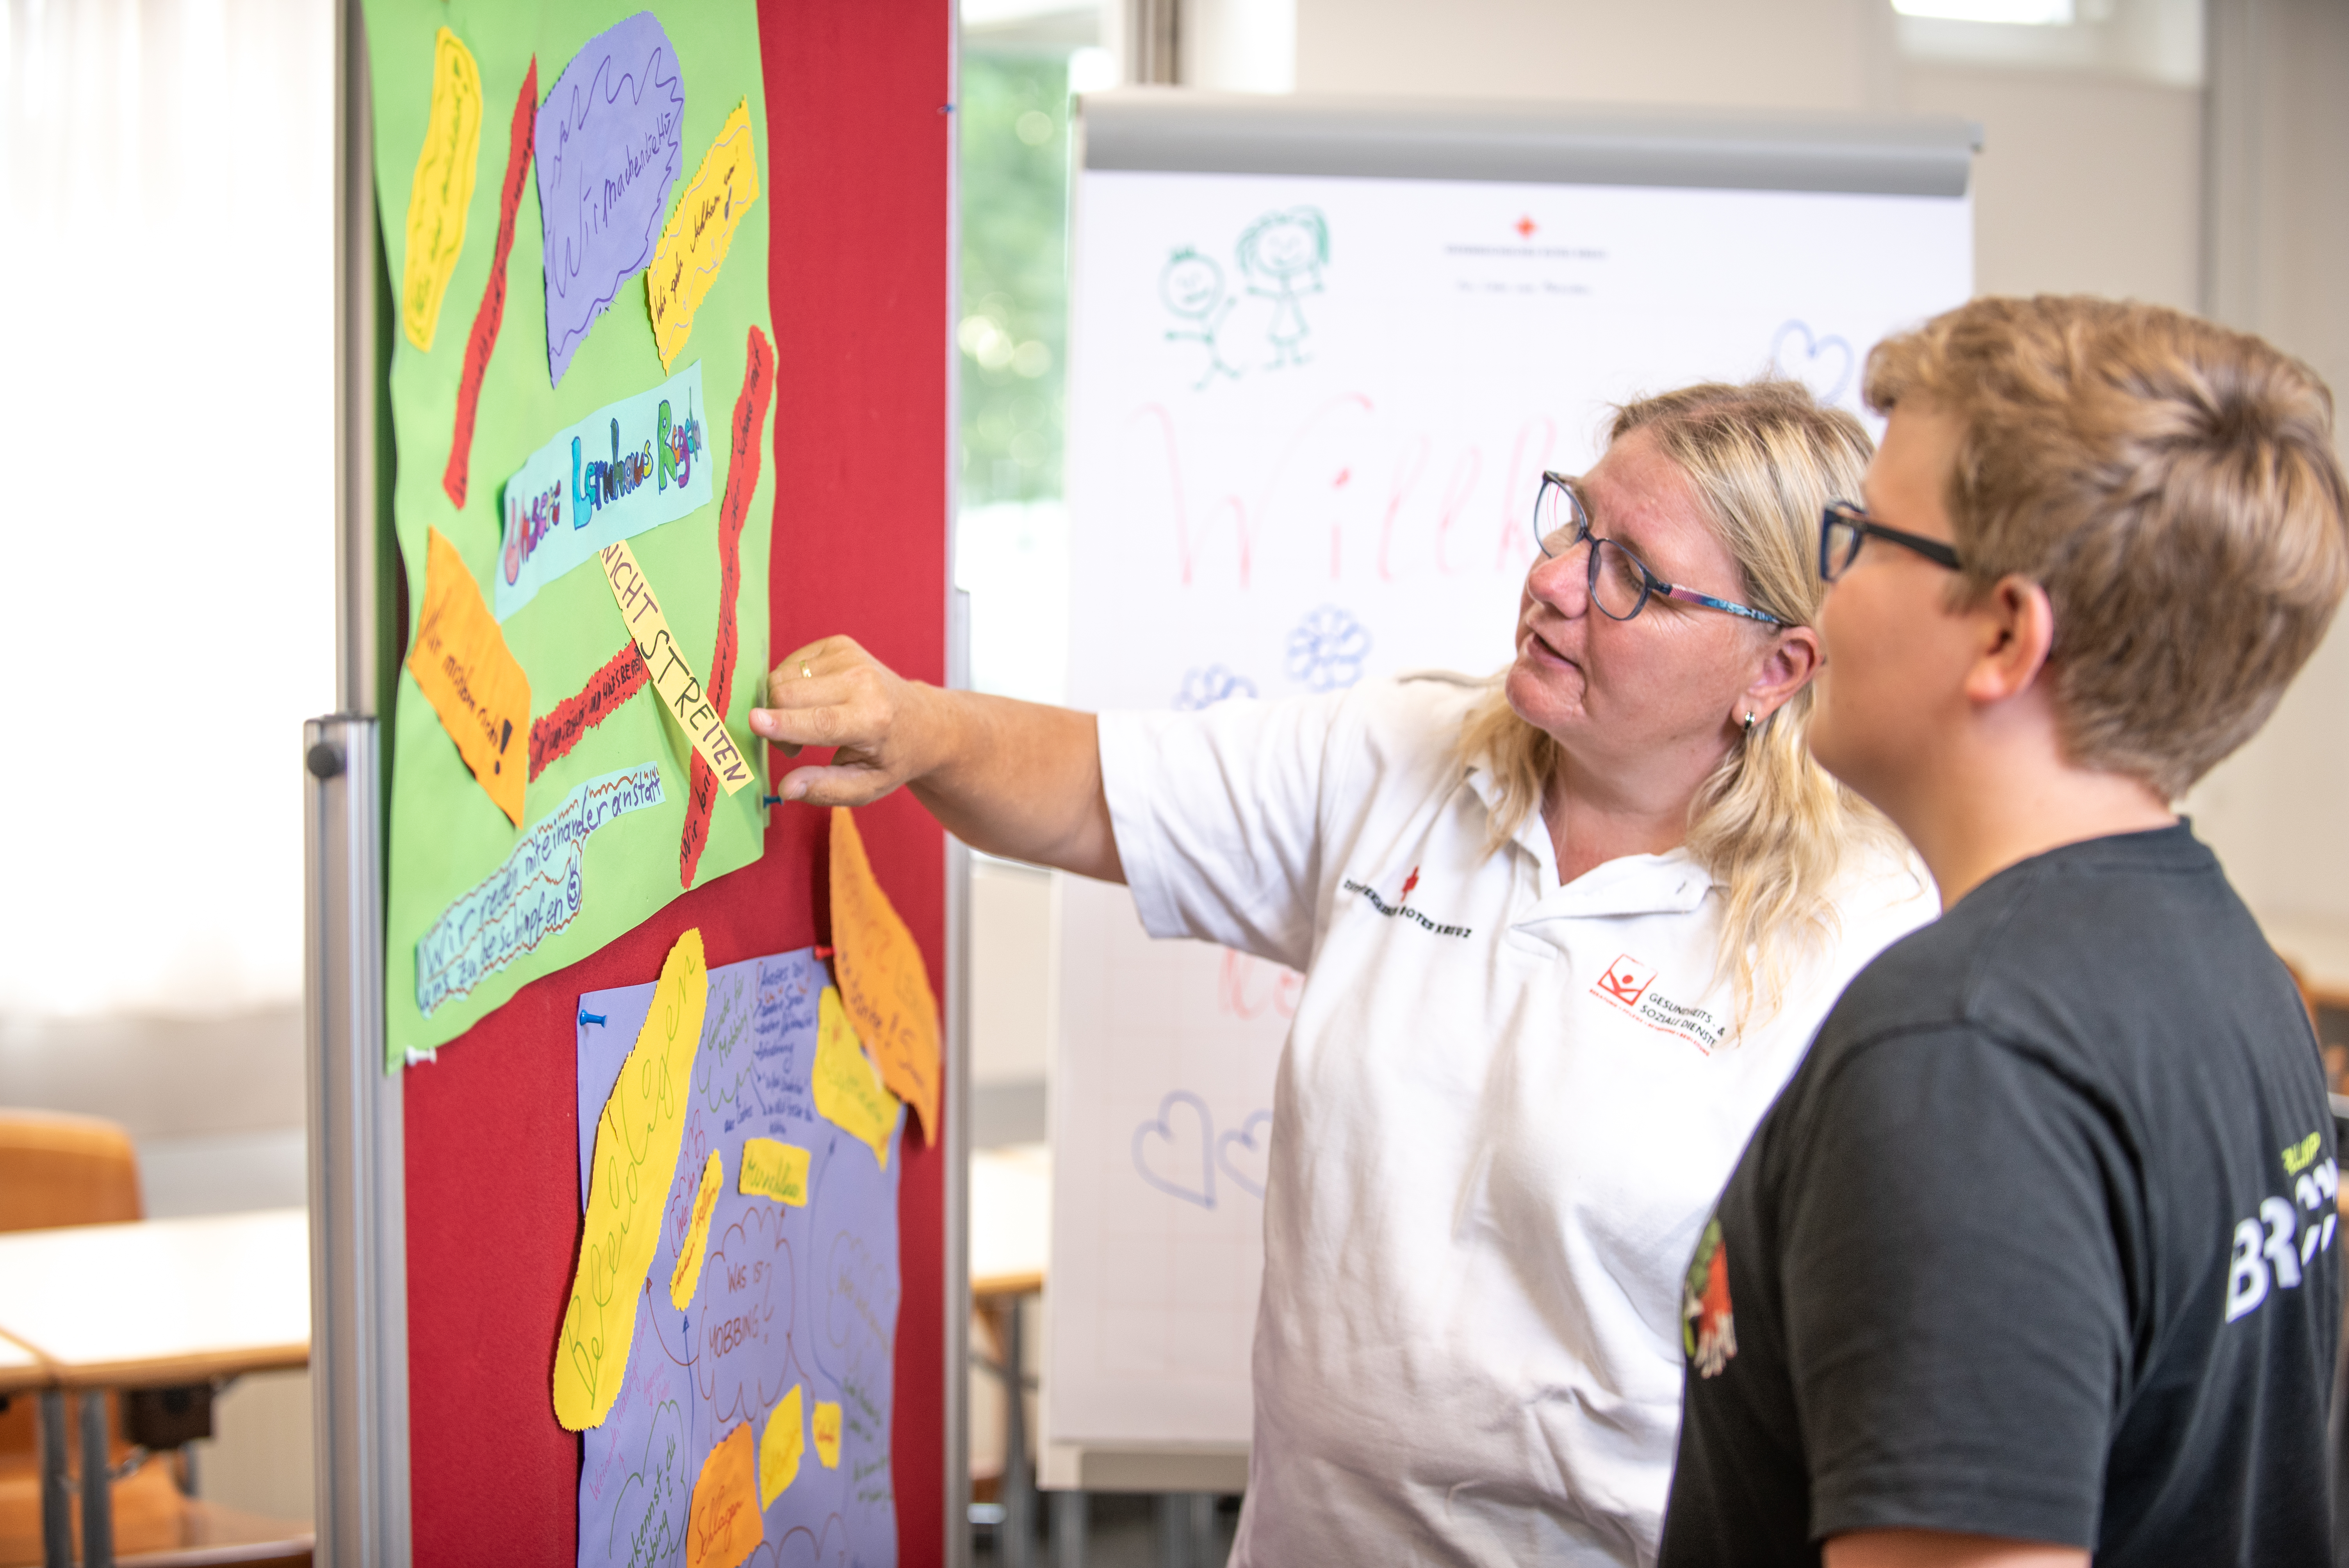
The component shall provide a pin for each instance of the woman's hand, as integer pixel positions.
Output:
(1013, 778)
(832, 693)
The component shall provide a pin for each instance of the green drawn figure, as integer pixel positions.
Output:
(1193, 287)
(1283, 255)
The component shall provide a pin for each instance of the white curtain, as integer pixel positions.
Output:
(166, 496)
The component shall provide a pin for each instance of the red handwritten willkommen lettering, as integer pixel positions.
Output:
(493, 311)
(741, 480)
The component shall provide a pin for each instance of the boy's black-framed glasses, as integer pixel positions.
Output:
(1621, 583)
(1844, 527)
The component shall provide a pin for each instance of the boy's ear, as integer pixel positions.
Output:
(2015, 627)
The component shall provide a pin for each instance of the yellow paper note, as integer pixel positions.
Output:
(771, 1168)
(637, 1141)
(693, 247)
(881, 978)
(848, 1091)
(473, 680)
(722, 1524)
(780, 1446)
(672, 677)
(686, 1278)
(827, 1434)
(443, 188)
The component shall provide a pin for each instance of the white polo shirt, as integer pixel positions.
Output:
(1504, 1108)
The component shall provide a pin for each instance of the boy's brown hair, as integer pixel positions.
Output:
(2173, 487)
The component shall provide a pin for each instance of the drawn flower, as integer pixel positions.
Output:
(1205, 689)
(1327, 649)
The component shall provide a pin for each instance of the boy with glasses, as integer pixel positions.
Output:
(2035, 1255)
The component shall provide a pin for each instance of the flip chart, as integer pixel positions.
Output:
(611, 142)
(883, 981)
(629, 467)
(540, 889)
(798, 1305)
(473, 680)
(694, 245)
(637, 1141)
(674, 678)
(443, 188)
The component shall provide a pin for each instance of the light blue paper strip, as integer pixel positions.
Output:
(629, 467)
(533, 896)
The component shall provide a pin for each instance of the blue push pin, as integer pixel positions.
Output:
(771, 799)
(586, 1017)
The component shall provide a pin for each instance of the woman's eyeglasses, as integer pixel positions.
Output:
(1844, 528)
(1621, 583)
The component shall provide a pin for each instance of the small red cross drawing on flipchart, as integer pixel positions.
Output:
(1627, 980)
(1525, 227)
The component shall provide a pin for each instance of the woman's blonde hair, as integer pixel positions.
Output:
(1769, 823)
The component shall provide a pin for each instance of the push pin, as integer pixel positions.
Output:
(771, 799)
(586, 1017)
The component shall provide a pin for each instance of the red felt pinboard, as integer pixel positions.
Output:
(856, 94)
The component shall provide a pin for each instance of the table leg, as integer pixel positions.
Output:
(57, 1499)
(97, 1484)
(1017, 1547)
(1068, 1530)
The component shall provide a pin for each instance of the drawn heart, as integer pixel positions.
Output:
(1243, 1154)
(1824, 364)
(1177, 1144)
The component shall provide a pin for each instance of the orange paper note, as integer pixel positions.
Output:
(462, 665)
(882, 980)
(722, 1524)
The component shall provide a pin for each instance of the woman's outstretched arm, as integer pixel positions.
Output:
(1013, 778)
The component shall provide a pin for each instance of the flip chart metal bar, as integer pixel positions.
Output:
(1179, 131)
(359, 1233)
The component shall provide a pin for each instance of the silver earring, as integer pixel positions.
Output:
(1749, 721)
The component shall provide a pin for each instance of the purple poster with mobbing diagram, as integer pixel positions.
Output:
(610, 143)
(790, 1330)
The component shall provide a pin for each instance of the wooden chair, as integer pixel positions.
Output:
(59, 1170)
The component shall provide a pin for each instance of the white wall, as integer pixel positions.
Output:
(2091, 180)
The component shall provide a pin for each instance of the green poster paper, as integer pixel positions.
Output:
(449, 843)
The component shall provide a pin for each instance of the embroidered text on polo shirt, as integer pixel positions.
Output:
(1400, 907)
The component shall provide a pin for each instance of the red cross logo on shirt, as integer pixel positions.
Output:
(1409, 882)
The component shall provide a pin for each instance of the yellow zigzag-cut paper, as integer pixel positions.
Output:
(780, 1446)
(443, 188)
(849, 1092)
(680, 692)
(636, 1142)
(694, 245)
(686, 1278)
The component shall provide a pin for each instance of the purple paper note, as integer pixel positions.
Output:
(611, 142)
(791, 1296)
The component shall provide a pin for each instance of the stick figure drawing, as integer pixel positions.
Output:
(1282, 254)
(1193, 287)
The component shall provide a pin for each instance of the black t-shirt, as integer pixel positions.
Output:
(2038, 1242)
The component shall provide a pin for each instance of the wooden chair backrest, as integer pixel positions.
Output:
(59, 1170)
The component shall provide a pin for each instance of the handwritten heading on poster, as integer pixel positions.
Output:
(883, 980)
(680, 691)
(443, 189)
(610, 143)
(624, 469)
(473, 680)
(637, 1141)
(538, 891)
(700, 232)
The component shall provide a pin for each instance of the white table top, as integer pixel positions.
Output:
(159, 1301)
(1010, 1219)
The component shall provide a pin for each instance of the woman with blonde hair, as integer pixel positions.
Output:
(1564, 936)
